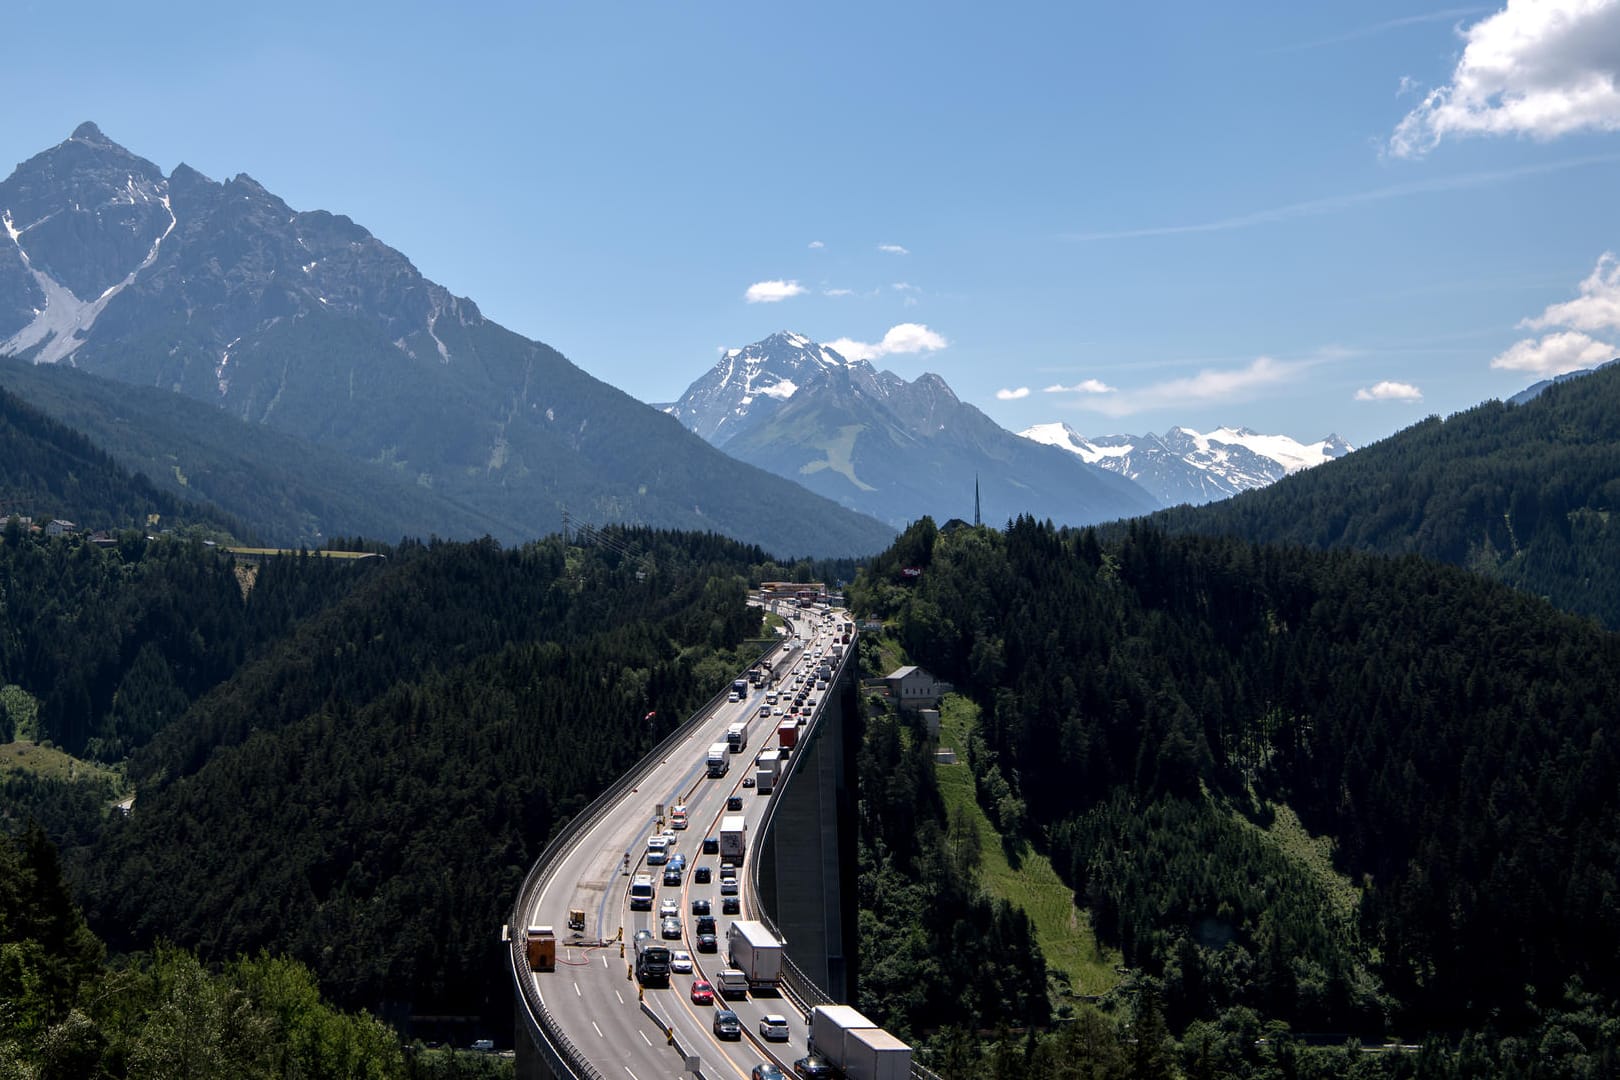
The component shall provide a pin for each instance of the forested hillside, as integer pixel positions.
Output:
(50, 471)
(1522, 493)
(1157, 710)
(367, 795)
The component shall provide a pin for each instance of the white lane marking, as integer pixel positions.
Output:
(619, 996)
(633, 1076)
(604, 963)
(576, 991)
(643, 1035)
(599, 1034)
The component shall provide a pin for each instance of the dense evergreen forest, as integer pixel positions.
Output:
(350, 763)
(50, 471)
(1522, 493)
(1152, 707)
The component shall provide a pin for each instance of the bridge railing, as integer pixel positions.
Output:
(562, 1057)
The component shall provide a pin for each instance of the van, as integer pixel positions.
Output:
(641, 893)
(731, 983)
(657, 851)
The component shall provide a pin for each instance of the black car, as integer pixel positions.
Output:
(672, 876)
(671, 927)
(705, 924)
(729, 905)
(711, 846)
(813, 1067)
(702, 875)
(748, 781)
(708, 943)
(733, 802)
(726, 1025)
(700, 905)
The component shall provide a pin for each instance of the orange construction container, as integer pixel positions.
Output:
(542, 949)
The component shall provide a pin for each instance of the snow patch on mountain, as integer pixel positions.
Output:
(1187, 466)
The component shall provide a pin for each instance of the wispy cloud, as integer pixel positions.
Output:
(837, 292)
(1012, 395)
(904, 286)
(1336, 203)
(1374, 29)
(816, 245)
(1539, 69)
(1084, 386)
(892, 249)
(901, 338)
(1389, 391)
(1208, 386)
(771, 292)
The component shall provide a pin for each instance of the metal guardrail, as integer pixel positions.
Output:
(562, 1056)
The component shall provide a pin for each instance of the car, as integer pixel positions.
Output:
(703, 993)
(708, 943)
(711, 845)
(728, 887)
(811, 1066)
(680, 962)
(677, 862)
(642, 935)
(733, 802)
(726, 1025)
(672, 876)
(748, 781)
(705, 925)
(670, 928)
(669, 838)
(483, 1045)
(766, 1071)
(773, 1026)
(669, 906)
(729, 905)
(702, 875)
(700, 905)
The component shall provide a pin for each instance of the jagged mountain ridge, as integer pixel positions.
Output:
(890, 448)
(1186, 466)
(305, 322)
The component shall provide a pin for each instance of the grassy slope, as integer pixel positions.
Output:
(1064, 931)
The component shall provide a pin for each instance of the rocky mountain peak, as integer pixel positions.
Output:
(88, 132)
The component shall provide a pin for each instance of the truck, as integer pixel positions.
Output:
(755, 952)
(731, 983)
(874, 1054)
(764, 779)
(737, 736)
(828, 1026)
(733, 838)
(787, 734)
(641, 892)
(719, 760)
(739, 689)
(540, 944)
(652, 961)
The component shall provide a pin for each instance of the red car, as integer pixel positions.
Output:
(702, 992)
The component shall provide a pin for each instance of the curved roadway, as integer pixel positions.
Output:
(593, 995)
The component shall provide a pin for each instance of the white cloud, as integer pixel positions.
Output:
(1541, 68)
(1012, 395)
(1085, 386)
(901, 338)
(1209, 385)
(837, 292)
(1408, 85)
(1389, 391)
(1554, 354)
(816, 245)
(1597, 308)
(892, 249)
(770, 292)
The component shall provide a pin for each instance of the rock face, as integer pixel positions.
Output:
(887, 447)
(304, 321)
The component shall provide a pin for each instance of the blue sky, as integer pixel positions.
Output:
(1302, 218)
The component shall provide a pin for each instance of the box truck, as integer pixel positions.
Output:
(828, 1025)
(874, 1054)
(755, 952)
(733, 838)
(719, 760)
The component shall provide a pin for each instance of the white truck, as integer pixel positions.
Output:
(755, 952)
(767, 767)
(733, 838)
(857, 1048)
(737, 736)
(719, 760)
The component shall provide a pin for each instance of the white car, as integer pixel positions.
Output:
(772, 1026)
(669, 907)
(680, 962)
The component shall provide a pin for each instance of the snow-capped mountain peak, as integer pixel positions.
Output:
(1184, 465)
(749, 383)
